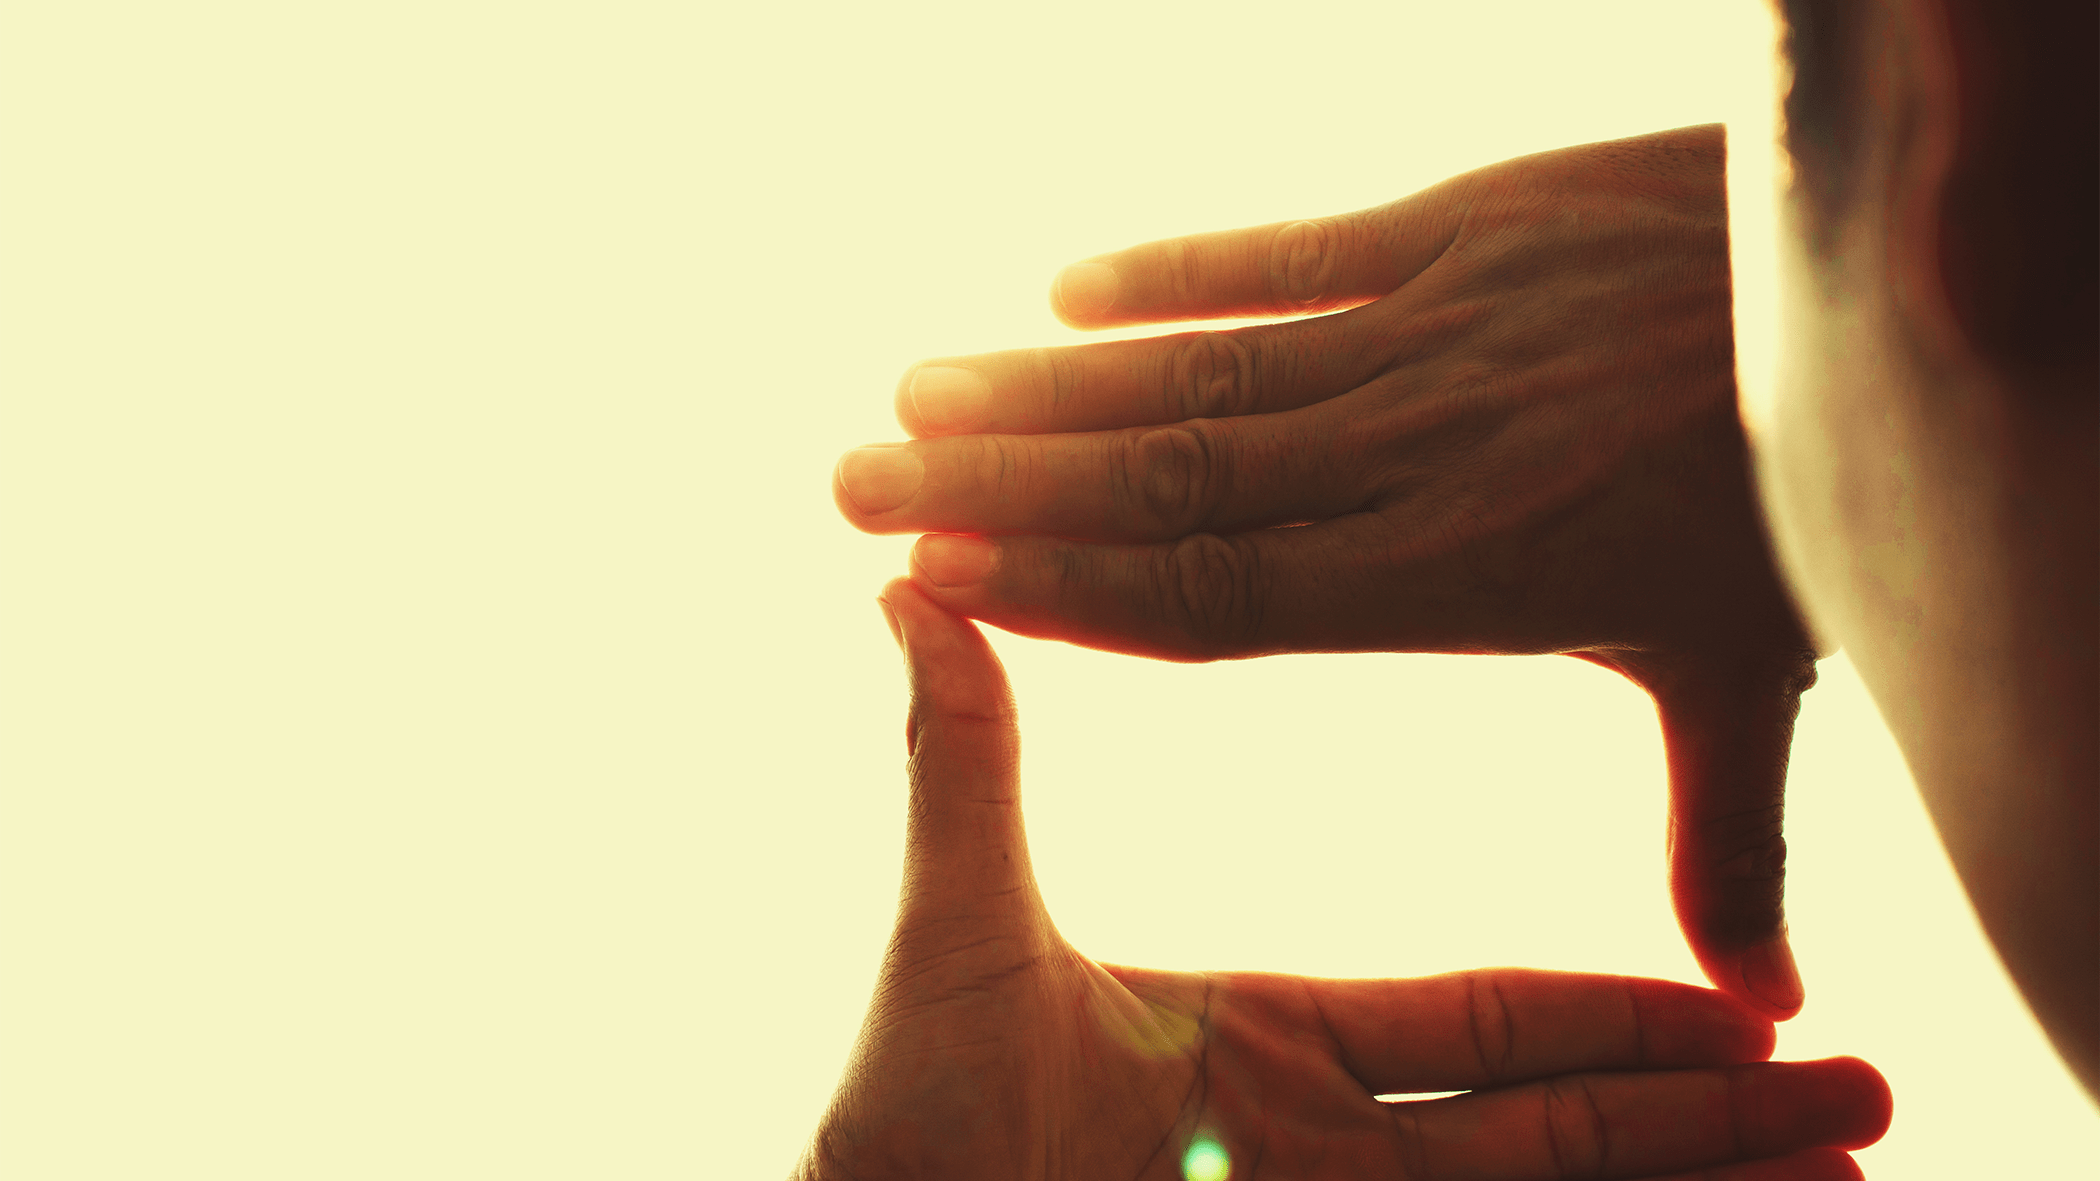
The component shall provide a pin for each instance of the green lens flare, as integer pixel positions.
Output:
(1206, 1161)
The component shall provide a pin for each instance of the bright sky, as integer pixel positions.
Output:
(448, 732)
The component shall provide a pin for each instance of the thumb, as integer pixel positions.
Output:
(1727, 740)
(966, 853)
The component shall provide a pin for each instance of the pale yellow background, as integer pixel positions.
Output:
(447, 732)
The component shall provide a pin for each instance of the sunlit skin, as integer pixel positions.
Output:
(1522, 438)
(994, 1049)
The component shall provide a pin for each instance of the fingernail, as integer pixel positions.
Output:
(1085, 290)
(878, 479)
(1769, 972)
(890, 617)
(951, 560)
(947, 397)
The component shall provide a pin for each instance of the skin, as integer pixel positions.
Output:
(1938, 512)
(1522, 438)
(1520, 444)
(993, 1048)
(1935, 504)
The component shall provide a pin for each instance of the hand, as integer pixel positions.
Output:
(1525, 441)
(994, 1050)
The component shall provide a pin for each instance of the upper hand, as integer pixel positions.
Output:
(993, 1049)
(1521, 439)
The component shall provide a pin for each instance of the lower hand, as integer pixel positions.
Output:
(993, 1049)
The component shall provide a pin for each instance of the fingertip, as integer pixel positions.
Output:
(1840, 1103)
(905, 606)
(1082, 293)
(951, 664)
(1770, 975)
(1686, 1026)
(1863, 1094)
(875, 479)
(1737, 1029)
(1783, 1108)
(907, 410)
(1763, 978)
(936, 399)
(953, 561)
(889, 616)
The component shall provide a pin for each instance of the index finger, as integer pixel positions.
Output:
(1494, 1027)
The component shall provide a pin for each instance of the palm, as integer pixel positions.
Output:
(1118, 1068)
(994, 1049)
(1260, 1073)
(1090, 1080)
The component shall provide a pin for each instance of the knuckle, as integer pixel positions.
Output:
(1637, 1021)
(1797, 672)
(1494, 1034)
(1211, 375)
(1000, 465)
(1743, 1134)
(1302, 262)
(1181, 267)
(1058, 375)
(1407, 1130)
(1748, 847)
(1575, 1129)
(1168, 478)
(1743, 863)
(1073, 569)
(1210, 593)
